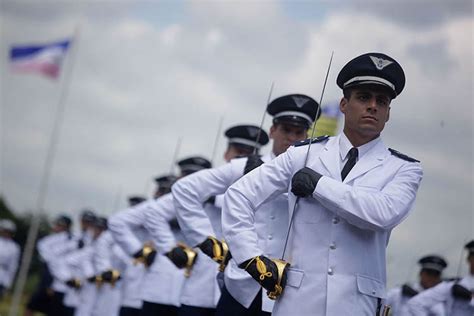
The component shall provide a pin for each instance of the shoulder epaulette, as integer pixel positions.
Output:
(408, 291)
(402, 156)
(314, 140)
(455, 279)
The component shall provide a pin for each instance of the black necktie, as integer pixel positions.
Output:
(353, 153)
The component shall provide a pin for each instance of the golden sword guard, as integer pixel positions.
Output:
(147, 249)
(216, 250)
(191, 254)
(98, 281)
(386, 310)
(225, 251)
(281, 266)
(78, 283)
(115, 277)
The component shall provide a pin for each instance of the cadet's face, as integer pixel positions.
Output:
(85, 225)
(162, 191)
(366, 112)
(470, 260)
(5, 234)
(58, 228)
(428, 280)
(96, 231)
(233, 152)
(284, 135)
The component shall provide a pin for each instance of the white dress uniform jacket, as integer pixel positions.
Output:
(131, 278)
(80, 263)
(162, 281)
(51, 249)
(339, 235)
(271, 222)
(200, 289)
(77, 264)
(105, 258)
(421, 304)
(398, 301)
(9, 257)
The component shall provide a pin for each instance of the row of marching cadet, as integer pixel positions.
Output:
(300, 230)
(114, 291)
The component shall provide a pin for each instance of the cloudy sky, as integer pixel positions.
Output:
(145, 74)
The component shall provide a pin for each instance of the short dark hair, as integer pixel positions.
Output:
(347, 93)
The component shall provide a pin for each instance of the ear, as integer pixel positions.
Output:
(227, 154)
(272, 131)
(343, 105)
(388, 114)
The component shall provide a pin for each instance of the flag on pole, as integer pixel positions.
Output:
(43, 59)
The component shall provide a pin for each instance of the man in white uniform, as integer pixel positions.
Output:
(51, 249)
(456, 297)
(201, 291)
(87, 221)
(9, 255)
(42, 300)
(106, 262)
(131, 275)
(430, 275)
(352, 192)
(292, 116)
(162, 282)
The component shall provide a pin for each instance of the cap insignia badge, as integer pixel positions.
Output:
(300, 101)
(252, 131)
(380, 63)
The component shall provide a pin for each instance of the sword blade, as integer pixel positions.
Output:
(295, 206)
(263, 118)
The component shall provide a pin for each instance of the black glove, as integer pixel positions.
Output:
(80, 244)
(178, 257)
(304, 182)
(408, 291)
(217, 250)
(111, 276)
(183, 257)
(74, 283)
(460, 292)
(270, 273)
(146, 255)
(253, 161)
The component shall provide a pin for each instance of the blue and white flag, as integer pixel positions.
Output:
(43, 59)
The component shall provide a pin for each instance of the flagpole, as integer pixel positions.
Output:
(2, 98)
(44, 183)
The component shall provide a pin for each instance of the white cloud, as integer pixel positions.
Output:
(169, 34)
